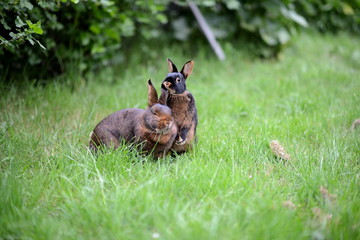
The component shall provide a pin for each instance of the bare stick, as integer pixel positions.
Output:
(207, 31)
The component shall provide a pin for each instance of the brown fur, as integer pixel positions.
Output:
(182, 104)
(185, 117)
(153, 129)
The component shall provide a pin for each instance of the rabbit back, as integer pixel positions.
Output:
(115, 127)
(136, 126)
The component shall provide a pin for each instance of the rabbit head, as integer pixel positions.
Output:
(158, 116)
(175, 82)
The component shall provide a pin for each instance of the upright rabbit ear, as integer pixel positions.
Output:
(163, 96)
(152, 94)
(187, 69)
(171, 66)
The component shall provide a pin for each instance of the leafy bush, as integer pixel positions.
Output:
(87, 33)
(44, 38)
(269, 24)
(332, 15)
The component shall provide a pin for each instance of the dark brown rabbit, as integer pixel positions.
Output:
(182, 104)
(153, 129)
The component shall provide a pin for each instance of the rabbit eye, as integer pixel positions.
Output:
(178, 80)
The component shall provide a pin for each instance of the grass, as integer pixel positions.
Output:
(229, 187)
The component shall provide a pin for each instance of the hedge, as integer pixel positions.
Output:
(47, 36)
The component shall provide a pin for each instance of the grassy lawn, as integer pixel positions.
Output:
(230, 187)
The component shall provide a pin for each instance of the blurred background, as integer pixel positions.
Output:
(42, 40)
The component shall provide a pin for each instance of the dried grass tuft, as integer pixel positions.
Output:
(279, 150)
(355, 124)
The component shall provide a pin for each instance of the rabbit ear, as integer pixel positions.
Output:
(163, 96)
(171, 66)
(152, 94)
(187, 69)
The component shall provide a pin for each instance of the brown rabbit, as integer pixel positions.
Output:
(153, 129)
(182, 104)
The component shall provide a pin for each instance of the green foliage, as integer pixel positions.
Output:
(89, 33)
(43, 38)
(22, 34)
(331, 16)
(269, 24)
(19, 31)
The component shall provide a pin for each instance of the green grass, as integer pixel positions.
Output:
(229, 187)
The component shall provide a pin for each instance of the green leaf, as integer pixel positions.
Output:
(27, 4)
(85, 38)
(95, 29)
(106, 3)
(35, 28)
(233, 4)
(97, 48)
(268, 38)
(30, 41)
(294, 16)
(4, 23)
(42, 46)
(161, 18)
(347, 9)
(6, 43)
(13, 35)
(207, 3)
(112, 33)
(283, 36)
(3, 40)
(128, 28)
(268, 33)
(19, 23)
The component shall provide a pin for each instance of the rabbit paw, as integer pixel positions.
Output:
(180, 141)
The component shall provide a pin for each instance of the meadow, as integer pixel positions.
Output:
(229, 187)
